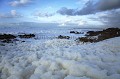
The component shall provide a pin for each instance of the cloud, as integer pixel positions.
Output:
(108, 4)
(20, 3)
(65, 22)
(91, 7)
(11, 14)
(66, 11)
(112, 18)
(109, 18)
(82, 1)
(39, 14)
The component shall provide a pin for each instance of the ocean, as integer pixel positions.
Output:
(44, 31)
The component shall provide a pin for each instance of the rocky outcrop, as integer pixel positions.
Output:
(10, 38)
(96, 36)
(27, 36)
(7, 38)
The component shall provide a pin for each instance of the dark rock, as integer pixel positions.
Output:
(86, 39)
(72, 31)
(76, 32)
(101, 35)
(22, 41)
(93, 33)
(2, 44)
(27, 36)
(63, 37)
(7, 36)
(111, 30)
(7, 41)
(15, 40)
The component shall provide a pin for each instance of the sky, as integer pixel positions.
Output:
(64, 12)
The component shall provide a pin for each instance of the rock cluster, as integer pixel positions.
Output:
(63, 37)
(7, 37)
(76, 32)
(27, 36)
(96, 36)
(10, 38)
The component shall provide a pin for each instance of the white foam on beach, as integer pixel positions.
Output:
(60, 59)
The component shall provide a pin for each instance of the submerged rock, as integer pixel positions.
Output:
(63, 37)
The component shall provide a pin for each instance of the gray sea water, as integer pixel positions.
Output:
(44, 31)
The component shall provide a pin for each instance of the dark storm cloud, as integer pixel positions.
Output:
(88, 9)
(108, 4)
(110, 18)
(91, 7)
(66, 11)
